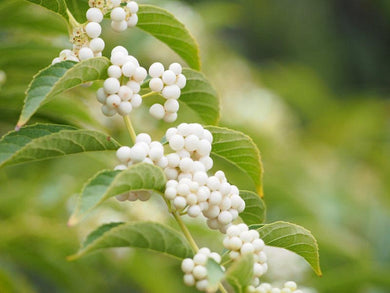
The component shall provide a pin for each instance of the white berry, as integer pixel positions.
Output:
(176, 142)
(181, 81)
(176, 68)
(170, 117)
(123, 154)
(119, 26)
(94, 15)
(113, 101)
(118, 14)
(132, 21)
(171, 105)
(136, 101)
(156, 84)
(125, 108)
(157, 111)
(133, 6)
(169, 77)
(96, 45)
(156, 69)
(85, 53)
(128, 69)
(114, 71)
(111, 85)
(171, 92)
(93, 29)
(140, 74)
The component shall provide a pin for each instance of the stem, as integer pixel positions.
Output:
(149, 95)
(221, 288)
(186, 232)
(130, 128)
(188, 236)
(73, 22)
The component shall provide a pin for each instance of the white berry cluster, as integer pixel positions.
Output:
(189, 185)
(120, 90)
(240, 240)
(123, 17)
(144, 150)
(85, 39)
(169, 83)
(289, 287)
(195, 271)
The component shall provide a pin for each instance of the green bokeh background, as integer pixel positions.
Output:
(308, 80)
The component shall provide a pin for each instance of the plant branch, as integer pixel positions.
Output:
(186, 232)
(130, 128)
(150, 94)
(222, 288)
(72, 23)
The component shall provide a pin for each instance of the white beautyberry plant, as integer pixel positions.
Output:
(178, 167)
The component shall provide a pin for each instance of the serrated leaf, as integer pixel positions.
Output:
(254, 212)
(214, 274)
(43, 141)
(167, 28)
(58, 78)
(152, 236)
(200, 96)
(108, 183)
(240, 151)
(57, 6)
(240, 274)
(294, 238)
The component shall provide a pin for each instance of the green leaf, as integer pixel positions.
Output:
(240, 274)
(78, 8)
(58, 6)
(152, 236)
(294, 238)
(214, 274)
(164, 26)
(43, 141)
(200, 96)
(239, 150)
(58, 78)
(108, 183)
(254, 212)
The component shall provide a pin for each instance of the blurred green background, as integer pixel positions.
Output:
(308, 80)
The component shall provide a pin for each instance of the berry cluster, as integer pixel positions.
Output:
(240, 240)
(195, 271)
(120, 90)
(169, 83)
(123, 17)
(85, 38)
(289, 287)
(190, 186)
(144, 150)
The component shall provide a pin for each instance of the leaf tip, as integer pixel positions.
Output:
(19, 125)
(319, 272)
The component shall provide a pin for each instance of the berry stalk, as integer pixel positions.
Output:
(73, 23)
(192, 242)
(186, 232)
(130, 128)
